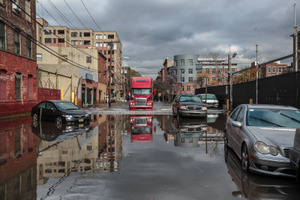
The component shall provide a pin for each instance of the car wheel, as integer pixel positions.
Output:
(58, 122)
(35, 117)
(245, 159)
(225, 144)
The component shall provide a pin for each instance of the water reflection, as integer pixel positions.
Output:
(253, 186)
(17, 159)
(141, 128)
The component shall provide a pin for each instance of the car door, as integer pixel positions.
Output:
(230, 128)
(237, 132)
(50, 112)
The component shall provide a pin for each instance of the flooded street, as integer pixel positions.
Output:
(128, 157)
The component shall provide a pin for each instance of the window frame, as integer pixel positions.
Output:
(3, 36)
(17, 44)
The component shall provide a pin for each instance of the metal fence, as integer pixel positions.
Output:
(280, 90)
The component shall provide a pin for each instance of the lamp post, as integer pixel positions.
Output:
(230, 77)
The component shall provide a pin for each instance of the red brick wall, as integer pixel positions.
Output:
(48, 94)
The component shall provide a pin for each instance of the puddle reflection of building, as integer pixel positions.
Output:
(141, 128)
(253, 186)
(17, 159)
(96, 148)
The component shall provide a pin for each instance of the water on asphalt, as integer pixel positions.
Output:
(134, 157)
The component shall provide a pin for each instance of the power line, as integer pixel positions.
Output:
(92, 17)
(75, 15)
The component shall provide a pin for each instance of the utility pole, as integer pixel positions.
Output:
(229, 79)
(109, 74)
(256, 63)
(296, 40)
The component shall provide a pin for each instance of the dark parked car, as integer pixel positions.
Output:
(262, 136)
(185, 105)
(59, 111)
(295, 153)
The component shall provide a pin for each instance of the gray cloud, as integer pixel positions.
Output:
(152, 30)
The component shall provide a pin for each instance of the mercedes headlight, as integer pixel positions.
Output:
(265, 149)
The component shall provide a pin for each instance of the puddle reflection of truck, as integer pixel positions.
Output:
(141, 128)
(141, 96)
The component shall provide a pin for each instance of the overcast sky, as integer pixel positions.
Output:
(152, 30)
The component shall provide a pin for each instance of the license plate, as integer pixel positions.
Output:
(80, 125)
(81, 120)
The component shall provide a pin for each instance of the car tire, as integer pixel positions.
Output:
(225, 145)
(35, 117)
(245, 159)
(58, 122)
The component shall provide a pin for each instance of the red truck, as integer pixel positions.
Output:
(141, 93)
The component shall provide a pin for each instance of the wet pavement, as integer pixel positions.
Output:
(128, 156)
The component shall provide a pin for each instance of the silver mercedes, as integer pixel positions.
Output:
(262, 136)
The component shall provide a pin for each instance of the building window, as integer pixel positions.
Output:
(99, 37)
(115, 46)
(80, 42)
(182, 88)
(190, 62)
(54, 40)
(61, 40)
(274, 69)
(61, 32)
(2, 35)
(175, 72)
(74, 42)
(29, 47)
(30, 87)
(175, 63)
(87, 42)
(214, 70)
(269, 69)
(39, 57)
(207, 70)
(188, 88)
(87, 34)
(190, 71)
(182, 79)
(213, 78)
(280, 69)
(54, 32)
(182, 62)
(98, 44)
(18, 77)
(182, 71)
(3, 84)
(47, 40)
(191, 79)
(89, 59)
(105, 45)
(74, 34)
(16, 6)
(17, 42)
(111, 36)
(104, 37)
(28, 10)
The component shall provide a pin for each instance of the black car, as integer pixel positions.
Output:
(185, 105)
(59, 111)
(295, 153)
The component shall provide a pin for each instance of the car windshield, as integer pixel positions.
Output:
(66, 106)
(141, 91)
(209, 96)
(273, 118)
(190, 99)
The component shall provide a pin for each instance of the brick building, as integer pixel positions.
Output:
(18, 91)
(273, 69)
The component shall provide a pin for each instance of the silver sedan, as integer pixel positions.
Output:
(262, 135)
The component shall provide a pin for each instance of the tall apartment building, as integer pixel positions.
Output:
(108, 43)
(18, 91)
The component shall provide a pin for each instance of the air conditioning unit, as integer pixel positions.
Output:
(16, 7)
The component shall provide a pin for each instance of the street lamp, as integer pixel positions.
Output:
(230, 77)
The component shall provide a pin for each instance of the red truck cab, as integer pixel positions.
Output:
(141, 93)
